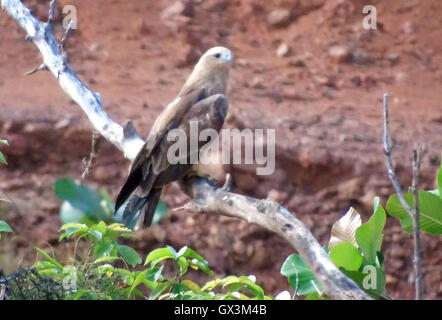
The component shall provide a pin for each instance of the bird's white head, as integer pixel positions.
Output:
(218, 55)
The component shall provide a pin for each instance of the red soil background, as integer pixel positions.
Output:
(313, 73)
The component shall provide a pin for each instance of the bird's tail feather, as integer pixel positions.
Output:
(145, 205)
(129, 186)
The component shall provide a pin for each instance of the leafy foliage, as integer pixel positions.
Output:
(362, 261)
(99, 276)
(430, 207)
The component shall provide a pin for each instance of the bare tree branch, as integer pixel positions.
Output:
(274, 217)
(41, 34)
(265, 213)
(413, 212)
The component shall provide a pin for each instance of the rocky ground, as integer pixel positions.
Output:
(305, 68)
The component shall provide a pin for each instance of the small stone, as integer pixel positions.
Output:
(256, 83)
(178, 8)
(393, 58)
(401, 77)
(283, 50)
(279, 18)
(297, 62)
(339, 53)
(360, 56)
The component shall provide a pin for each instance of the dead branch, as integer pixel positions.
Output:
(413, 212)
(95, 149)
(266, 213)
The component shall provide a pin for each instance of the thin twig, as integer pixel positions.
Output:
(95, 149)
(417, 262)
(41, 67)
(52, 7)
(412, 212)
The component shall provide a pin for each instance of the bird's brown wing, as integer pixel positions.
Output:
(152, 170)
(141, 167)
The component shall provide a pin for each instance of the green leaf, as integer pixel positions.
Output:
(315, 296)
(439, 179)
(430, 207)
(158, 255)
(96, 234)
(369, 236)
(2, 158)
(69, 214)
(299, 275)
(2, 141)
(346, 255)
(253, 287)
(372, 280)
(81, 198)
(184, 265)
(49, 258)
(103, 248)
(129, 255)
(139, 278)
(156, 292)
(191, 285)
(4, 227)
(100, 227)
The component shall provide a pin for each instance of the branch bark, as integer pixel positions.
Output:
(266, 213)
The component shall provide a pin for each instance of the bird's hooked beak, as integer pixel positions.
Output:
(226, 56)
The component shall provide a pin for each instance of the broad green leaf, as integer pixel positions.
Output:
(369, 236)
(212, 284)
(191, 285)
(158, 255)
(299, 275)
(204, 266)
(81, 198)
(100, 227)
(156, 292)
(140, 277)
(189, 253)
(181, 251)
(430, 208)
(4, 227)
(96, 234)
(346, 255)
(68, 214)
(253, 287)
(103, 248)
(129, 255)
(371, 279)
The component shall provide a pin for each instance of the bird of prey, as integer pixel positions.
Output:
(202, 99)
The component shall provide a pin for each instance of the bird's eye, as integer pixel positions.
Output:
(218, 55)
